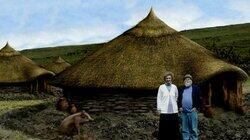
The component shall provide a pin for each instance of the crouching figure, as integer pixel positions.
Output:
(71, 124)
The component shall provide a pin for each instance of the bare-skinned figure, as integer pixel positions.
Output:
(72, 109)
(62, 104)
(71, 124)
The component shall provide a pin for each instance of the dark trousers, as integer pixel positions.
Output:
(169, 127)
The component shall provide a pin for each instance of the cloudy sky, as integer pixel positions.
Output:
(44, 23)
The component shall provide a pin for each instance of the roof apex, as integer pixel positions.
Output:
(151, 26)
(7, 50)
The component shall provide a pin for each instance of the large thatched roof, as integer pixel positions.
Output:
(139, 57)
(16, 68)
(57, 65)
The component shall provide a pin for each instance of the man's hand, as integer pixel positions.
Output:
(159, 111)
(91, 119)
(180, 109)
(194, 109)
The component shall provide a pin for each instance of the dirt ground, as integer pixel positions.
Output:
(41, 120)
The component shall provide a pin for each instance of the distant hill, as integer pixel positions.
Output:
(232, 38)
(70, 53)
(231, 43)
(237, 36)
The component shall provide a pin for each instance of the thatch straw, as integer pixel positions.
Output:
(58, 65)
(139, 58)
(151, 26)
(16, 68)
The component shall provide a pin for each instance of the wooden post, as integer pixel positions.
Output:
(239, 92)
(31, 88)
(44, 86)
(237, 95)
(240, 108)
(225, 93)
(231, 98)
(209, 94)
(37, 86)
(47, 87)
(208, 106)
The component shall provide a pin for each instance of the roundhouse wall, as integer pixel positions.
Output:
(113, 100)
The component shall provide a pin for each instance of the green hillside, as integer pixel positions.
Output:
(71, 53)
(223, 36)
(231, 43)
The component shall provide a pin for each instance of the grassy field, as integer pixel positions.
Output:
(232, 40)
(10, 106)
(71, 53)
(6, 134)
(237, 36)
(224, 36)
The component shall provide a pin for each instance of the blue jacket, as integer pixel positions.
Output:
(196, 97)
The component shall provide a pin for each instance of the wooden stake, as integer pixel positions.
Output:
(31, 88)
(239, 92)
(44, 86)
(209, 94)
(239, 100)
(37, 86)
(208, 107)
(225, 92)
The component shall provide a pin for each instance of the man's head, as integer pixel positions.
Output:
(168, 77)
(62, 104)
(188, 80)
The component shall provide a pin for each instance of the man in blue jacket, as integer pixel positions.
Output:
(189, 101)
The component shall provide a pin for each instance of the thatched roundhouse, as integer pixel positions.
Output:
(18, 70)
(138, 58)
(58, 65)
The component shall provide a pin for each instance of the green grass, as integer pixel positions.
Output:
(11, 105)
(8, 107)
(71, 53)
(6, 134)
(223, 36)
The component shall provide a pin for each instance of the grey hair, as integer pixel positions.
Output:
(167, 73)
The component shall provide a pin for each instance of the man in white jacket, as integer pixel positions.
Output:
(167, 107)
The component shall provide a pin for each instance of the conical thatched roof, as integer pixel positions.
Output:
(140, 56)
(58, 65)
(16, 68)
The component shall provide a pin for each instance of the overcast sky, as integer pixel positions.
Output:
(45, 23)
